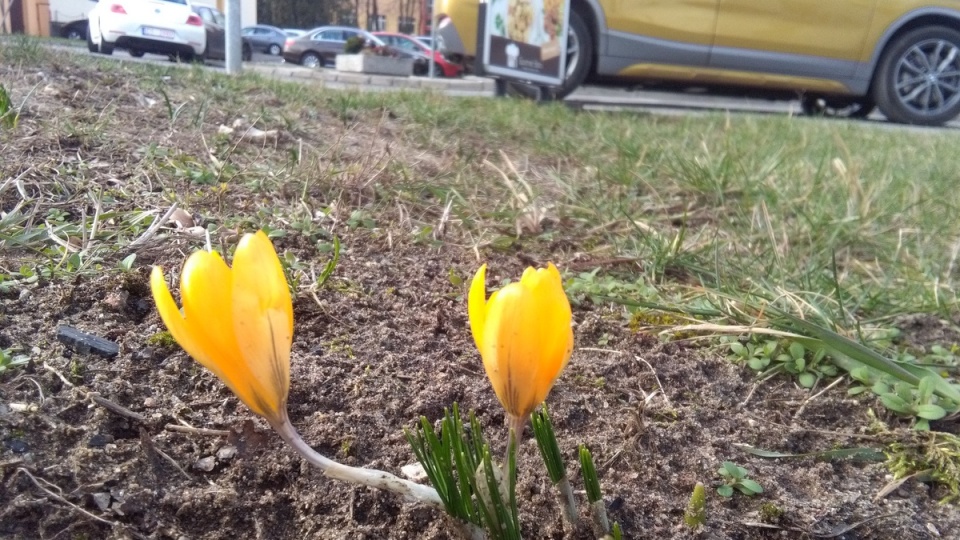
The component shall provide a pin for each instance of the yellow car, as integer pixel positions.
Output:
(902, 56)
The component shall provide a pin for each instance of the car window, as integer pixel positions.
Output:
(206, 15)
(219, 17)
(406, 44)
(248, 31)
(330, 35)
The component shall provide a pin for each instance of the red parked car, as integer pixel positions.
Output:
(409, 43)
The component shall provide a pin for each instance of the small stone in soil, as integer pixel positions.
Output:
(17, 446)
(99, 440)
(84, 343)
(117, 300)
(102, 500)
(414, 471)
(205, 464)
(226, 453)
(150, 402)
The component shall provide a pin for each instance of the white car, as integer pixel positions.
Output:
(167, 27)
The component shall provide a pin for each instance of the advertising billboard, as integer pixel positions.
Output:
(525, 40)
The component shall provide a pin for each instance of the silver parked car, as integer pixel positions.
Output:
(265, 38)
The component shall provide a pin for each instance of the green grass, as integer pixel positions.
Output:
(836, 213)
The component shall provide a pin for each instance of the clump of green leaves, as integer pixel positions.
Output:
(768, 357)
(9, 360)
(735, 477)
(595, 287)
(9, 116)
(457, 462)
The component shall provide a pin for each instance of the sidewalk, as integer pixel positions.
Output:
(465, 86)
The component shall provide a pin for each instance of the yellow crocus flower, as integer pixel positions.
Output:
(524, 336)
(237, 322)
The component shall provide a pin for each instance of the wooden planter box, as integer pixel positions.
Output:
(379, 65)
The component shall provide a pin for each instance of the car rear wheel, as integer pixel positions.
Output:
(91, 46)
(579, 58)
(103, 47)
(311, 60)
(918, 78)
(136, 53)
(75, 31)
(275, 49)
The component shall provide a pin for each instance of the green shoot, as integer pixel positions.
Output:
(696, 513)
(736, 477)
(550, 452)
(594, 496)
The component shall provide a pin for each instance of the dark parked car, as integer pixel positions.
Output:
(215, 23)
(319, 47)
(266, 38)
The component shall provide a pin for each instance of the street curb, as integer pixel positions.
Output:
(336, 79)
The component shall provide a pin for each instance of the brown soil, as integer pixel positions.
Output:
(387, 342)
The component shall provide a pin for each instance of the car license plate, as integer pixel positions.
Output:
(158, 32)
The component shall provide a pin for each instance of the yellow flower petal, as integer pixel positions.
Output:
(525, 339)
(237, 323)
(477, 305)
(263, 318)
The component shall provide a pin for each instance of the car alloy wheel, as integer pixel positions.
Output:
(311, 60)
(275, 50)
(918, 79)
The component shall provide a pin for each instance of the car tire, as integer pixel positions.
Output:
(105, 48)
(136, 53)
(579, 58)
(91, 46)
(311, 60)
(75, 31)
(275, 49)
(909, 88)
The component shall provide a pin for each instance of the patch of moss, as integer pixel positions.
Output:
(933, 457)
(162, 339)
(770, 513)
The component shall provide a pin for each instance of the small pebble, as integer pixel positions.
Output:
(17, 446)
(24, 295)
(226, 453)
(150, 402)
(99, 440)
(102, 500)
(414, 471)
(205, 464)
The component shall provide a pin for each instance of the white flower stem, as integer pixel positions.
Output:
(356, 475)
(567, 501)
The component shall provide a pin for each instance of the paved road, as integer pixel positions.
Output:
(591, 97)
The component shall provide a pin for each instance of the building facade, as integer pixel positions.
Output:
(404, 16)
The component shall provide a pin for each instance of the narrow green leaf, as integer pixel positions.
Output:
(590, 480)
(867, 454)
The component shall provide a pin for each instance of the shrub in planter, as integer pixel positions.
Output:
(354, 45)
